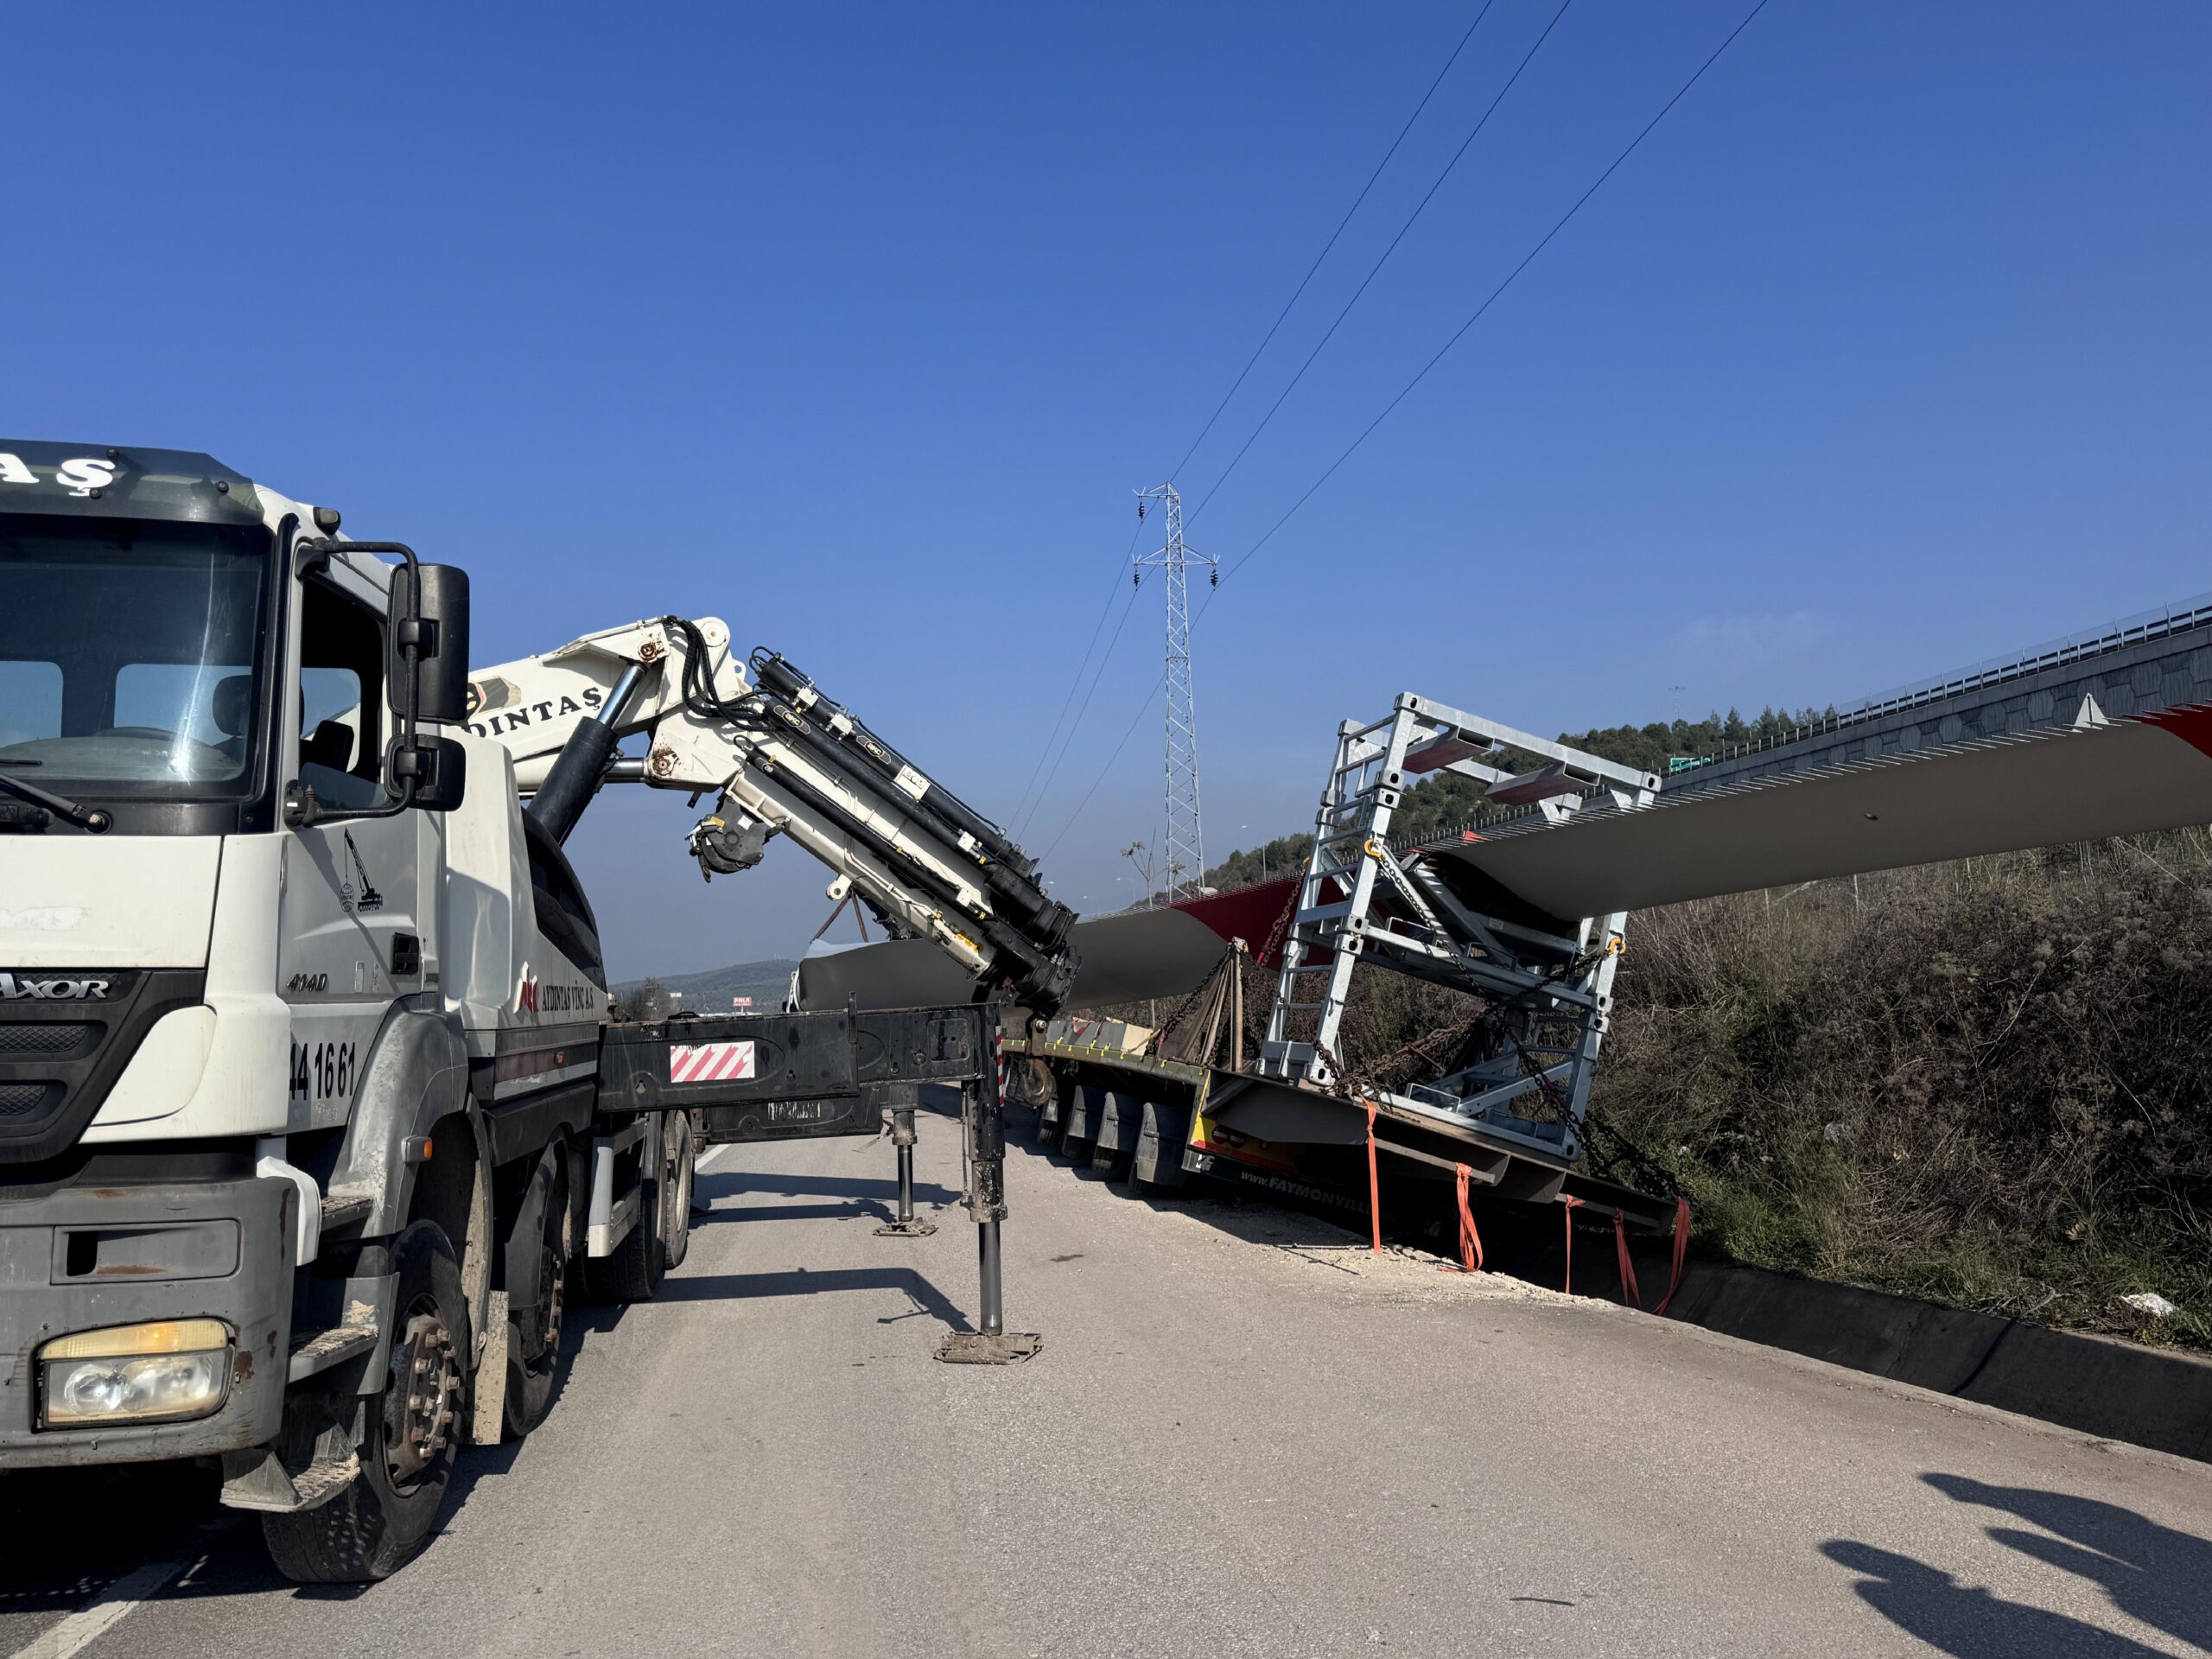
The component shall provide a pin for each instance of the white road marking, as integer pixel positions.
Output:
(710, 1155)
(89, 1623)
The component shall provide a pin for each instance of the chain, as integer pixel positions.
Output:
(1257, 964)
(1366, 1075)
(1648, 1170)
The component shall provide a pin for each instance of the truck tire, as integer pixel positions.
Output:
(409, 1438)
(632, 1273)
(683, 1149)
(534, 1333)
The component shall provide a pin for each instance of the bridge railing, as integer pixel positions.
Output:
(2145, 625)
(1996, 671)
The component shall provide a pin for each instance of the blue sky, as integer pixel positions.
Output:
(858, 325)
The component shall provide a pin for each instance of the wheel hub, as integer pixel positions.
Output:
(426, 1384)
(553, 1278)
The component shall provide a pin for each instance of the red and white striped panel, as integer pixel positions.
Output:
(709, 1062)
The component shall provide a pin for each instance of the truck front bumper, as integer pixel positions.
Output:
(82, 1258)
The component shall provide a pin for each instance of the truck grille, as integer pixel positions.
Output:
(61, 1057)
(17, 1098)
(49, 1038)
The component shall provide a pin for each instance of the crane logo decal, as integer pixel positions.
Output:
(367, 897)
(489, 696)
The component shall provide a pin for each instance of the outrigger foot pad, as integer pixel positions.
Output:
(989, 1347)
(913, 1228)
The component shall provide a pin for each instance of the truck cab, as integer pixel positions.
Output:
(298, 1030)
(310, 1115)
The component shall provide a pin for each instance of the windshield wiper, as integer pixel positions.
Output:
(68, 810)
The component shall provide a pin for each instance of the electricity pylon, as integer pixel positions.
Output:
(1186, 850)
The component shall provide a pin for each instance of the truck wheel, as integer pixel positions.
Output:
(676, 1185)
(409, 1438)
(632, 1273)
(534, 1332)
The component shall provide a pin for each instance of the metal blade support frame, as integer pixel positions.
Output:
(1524, 1064)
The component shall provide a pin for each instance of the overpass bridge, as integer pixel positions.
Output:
(2137, 665)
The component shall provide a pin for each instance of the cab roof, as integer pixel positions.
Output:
(94, 480)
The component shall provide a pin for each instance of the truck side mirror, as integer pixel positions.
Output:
(426, 686)
(439, 601)
(439, 767)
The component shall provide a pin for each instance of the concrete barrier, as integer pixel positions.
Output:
(2113, 1389)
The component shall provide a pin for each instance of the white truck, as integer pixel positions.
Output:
(303, 1131)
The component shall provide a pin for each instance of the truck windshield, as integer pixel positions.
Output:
(131, 656)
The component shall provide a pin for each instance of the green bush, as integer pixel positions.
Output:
(1985, 1083)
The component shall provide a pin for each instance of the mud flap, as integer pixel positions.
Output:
(488, 1422)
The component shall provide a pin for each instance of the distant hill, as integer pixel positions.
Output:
(710, 992)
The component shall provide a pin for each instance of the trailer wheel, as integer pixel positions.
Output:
(682, 1153)
(410, 1434)
(534, 1332)
(632, 1273)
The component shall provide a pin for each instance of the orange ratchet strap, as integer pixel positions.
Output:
(1631, 1293)
(1471, 1242)
(1374, 1184)
(1681, 1248)
(1566, 1280)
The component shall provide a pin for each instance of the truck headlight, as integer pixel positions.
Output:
(135, 1373)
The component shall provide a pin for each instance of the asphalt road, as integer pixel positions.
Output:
(1245, 1435)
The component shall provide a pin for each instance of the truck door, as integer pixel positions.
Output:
(351, 939)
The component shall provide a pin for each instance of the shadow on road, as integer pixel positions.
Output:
(1929, 1604)
(2154, 1573)
(859, 1210)
(73, 1532)
(1261, 1219)
(731, 1183)
(927, 1299)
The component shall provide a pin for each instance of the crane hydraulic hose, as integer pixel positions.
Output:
(1028, 929)
(778, 674)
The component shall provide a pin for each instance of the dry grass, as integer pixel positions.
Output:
(1989, 1084)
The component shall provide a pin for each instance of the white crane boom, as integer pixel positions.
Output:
(779, 758)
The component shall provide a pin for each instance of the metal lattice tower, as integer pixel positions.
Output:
(1186, 857)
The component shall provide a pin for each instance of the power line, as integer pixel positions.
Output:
(1143, 709)
(1527, 260)
(1084, 706)
(1472, 135)
(1272, 329)
(1177, 472)
(1076, 684)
